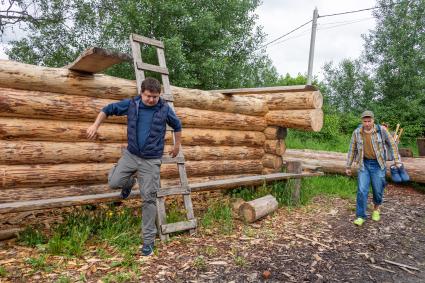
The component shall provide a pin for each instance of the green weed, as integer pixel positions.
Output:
(31, 237)
(219, 215)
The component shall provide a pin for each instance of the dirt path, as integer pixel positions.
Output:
(315, 243)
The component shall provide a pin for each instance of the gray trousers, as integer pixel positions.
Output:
(148, 178)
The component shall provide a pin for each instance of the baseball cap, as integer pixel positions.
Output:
(368, 113)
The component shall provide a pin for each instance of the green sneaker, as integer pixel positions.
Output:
(359, 221)
(375, 215)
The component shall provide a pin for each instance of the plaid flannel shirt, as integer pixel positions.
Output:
(356, 151)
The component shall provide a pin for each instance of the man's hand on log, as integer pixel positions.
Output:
(91, 132)
(348, 171)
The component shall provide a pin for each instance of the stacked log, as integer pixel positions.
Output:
(45, 112)
(334, 162)
(274, 148)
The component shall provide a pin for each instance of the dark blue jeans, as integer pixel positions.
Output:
(371, 171)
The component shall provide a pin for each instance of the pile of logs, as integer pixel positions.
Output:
(44, 114)
(334, 162)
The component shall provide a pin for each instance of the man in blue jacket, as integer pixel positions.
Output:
(147, 116)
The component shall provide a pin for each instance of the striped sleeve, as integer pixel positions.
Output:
(391, 142)
(352, 150)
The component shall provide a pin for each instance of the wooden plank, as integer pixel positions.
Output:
(161, 218)
(152, 68)
(178, 226)
(163, 192)
(196, 187)
(146, 40)
(95, 60)
(189, 211)
(171, 160)
(260, 90)
(295, 168)
(140, 76)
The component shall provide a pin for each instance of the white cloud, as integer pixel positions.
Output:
(337, 37)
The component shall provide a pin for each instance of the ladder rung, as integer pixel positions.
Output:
(171, 160)
(153, 68)
(167, 97)
(148, 41)
(163, 192)
(178, 226)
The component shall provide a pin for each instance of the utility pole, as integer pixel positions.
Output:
(312, 43)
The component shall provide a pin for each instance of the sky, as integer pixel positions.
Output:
(337, 37)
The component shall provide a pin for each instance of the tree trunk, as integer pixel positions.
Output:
(35, 152)
(334, 162)
(52, 106)
(16, 176)
(73, 131)
(255, 209)
(311, 120)
(29, 77)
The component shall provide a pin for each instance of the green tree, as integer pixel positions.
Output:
(395, 50)
(348, 87)
(209, 44)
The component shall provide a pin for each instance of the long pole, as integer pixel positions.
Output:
(312, 43)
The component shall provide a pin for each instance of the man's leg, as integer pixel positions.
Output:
(363, 182)
(149, 182)
(378, 181)
(119, 175)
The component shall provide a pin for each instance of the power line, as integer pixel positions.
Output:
(286, 34)
(361, 10)
(328, 15)
(344, 24)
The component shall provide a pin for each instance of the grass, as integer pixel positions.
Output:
(119, 277)
(199, 263)
(3, 271)
(329, 185)
(218, 215)
(31, 237)
(39, 263)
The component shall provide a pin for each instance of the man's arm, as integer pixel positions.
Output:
(92, 130)
(393, 145)
(351, 153)
(175, 123)
(177, 143)
(119, 109)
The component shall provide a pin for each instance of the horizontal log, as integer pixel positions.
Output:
(37, 193)
(52, 106)
(267, 171)
(18, 176)
(334, 162)
(10, 233)
(294, 100)
(29, 77)
(106, 197)
(276, 147)
(275, 133)
(253, 210)
(311, 120)
(272, 161)
(36, 152)
(50, 130)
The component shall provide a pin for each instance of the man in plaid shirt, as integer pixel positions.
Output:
(367, 149)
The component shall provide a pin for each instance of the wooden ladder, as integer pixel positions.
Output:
(164, 229)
